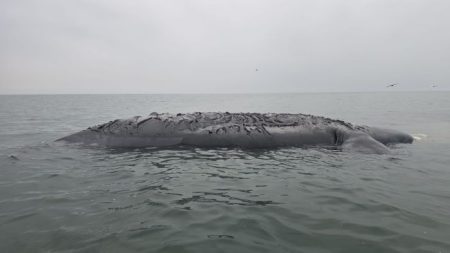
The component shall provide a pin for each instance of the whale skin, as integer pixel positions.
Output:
(245, 130)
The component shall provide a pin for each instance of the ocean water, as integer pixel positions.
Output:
(56, 197)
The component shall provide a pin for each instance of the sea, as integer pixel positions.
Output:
(58, 197)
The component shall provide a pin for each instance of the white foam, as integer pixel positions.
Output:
(419, 137)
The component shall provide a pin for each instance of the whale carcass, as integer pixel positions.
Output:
(246, 130)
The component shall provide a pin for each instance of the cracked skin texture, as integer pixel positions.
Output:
(247, 130)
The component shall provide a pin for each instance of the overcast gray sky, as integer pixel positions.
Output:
(208, 46)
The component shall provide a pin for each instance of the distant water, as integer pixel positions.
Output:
(66, 198)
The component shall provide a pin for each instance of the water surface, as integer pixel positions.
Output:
(67, 198)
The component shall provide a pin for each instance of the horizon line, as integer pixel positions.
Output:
(225, 93)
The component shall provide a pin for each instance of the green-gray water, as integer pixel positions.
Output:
(67, 198)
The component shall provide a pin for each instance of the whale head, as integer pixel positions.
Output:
(389, 136)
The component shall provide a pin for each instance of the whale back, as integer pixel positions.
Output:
(215, 129)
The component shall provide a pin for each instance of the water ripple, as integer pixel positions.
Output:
(194, 200)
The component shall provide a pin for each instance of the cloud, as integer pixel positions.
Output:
(215, 46)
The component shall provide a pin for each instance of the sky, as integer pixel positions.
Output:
(226, 46)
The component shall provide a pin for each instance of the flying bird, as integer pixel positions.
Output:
(392, 85)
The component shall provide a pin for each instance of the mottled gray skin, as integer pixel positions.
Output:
(246, 130)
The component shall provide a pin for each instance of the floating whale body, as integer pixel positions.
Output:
(245, 130)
